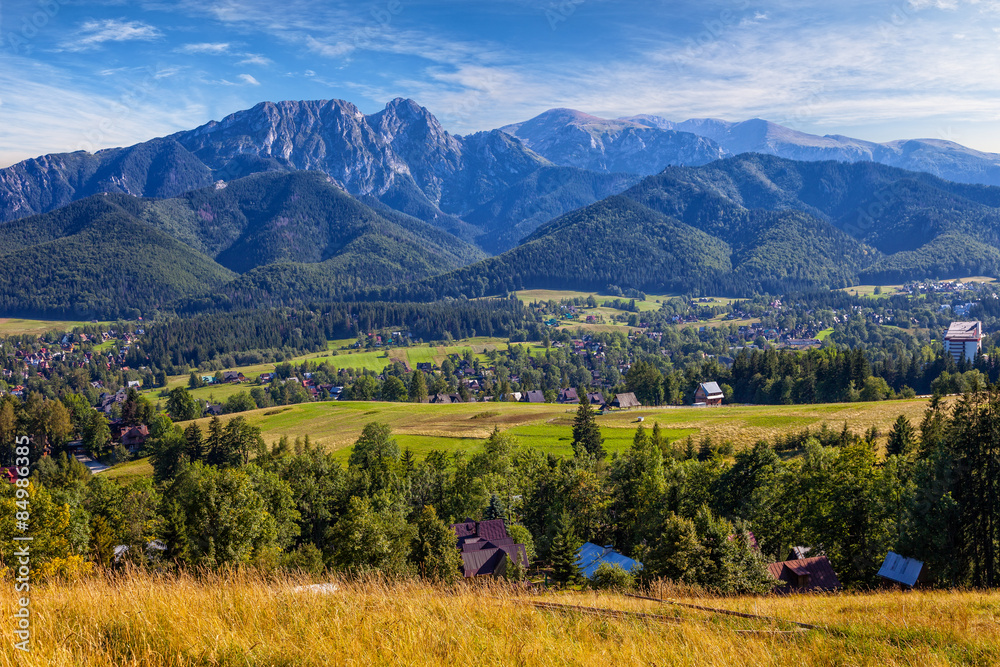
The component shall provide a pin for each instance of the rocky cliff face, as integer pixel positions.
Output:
(400, 155)
(574, 139)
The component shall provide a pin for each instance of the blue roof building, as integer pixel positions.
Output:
(902, 570)
(590, 556)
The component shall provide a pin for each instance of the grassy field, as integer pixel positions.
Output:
(889, 290)
(11, 326)
(375, 361)
(652, 301)
(424, 427)
(248, 620)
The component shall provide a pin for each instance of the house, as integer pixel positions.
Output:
(708, 393)
(232, 376)
(444, 398)
(804, 574)
(963, 340)
(589, 557)
(213, 410)
(626, 401)
(534, 396)
(903, 571)
(596, 398)
(265, 377)
(135, 437)
(568, 396)
(134, 384)
(485, 547)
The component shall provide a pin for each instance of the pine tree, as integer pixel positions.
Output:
(175, 533)
(902, 437)
(586, 432)
(418, 387)
(565, 569)
(215, 443)
(195, 443)
(495, 510)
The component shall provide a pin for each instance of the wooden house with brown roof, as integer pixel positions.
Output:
(626, 401)
(485, 547)
(804, 575)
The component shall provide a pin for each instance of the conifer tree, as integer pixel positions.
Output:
(418, 387)
(565, 569)
(586, 433)
(495, 510)
(195, 443)
(902, 437)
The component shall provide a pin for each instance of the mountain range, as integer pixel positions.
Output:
(271, 236)
(298, 202)
(648, 144)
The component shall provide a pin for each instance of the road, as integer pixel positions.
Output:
(93, 466)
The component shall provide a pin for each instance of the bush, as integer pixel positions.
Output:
(612, 577)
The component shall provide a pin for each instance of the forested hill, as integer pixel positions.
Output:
(296, 233)
(748, 224)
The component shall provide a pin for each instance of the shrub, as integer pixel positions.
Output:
(612, 577)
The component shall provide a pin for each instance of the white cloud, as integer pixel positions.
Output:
(92, 34)
(255, 59)
(74, 118)
(206, 48)
(246, 78)
(335, 50)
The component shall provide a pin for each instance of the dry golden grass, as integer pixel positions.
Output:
(249, 620)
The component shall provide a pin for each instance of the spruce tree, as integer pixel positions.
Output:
(902, 437)
(586, 432)
(563, 552)
(495, 510)
(418, 387)
(195, 443)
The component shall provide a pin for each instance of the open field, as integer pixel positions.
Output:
(137, 619)
(375, 360)
(652, 301)
(12, 326)
(889, 290)
(424, 427)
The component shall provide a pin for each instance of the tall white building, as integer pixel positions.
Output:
(963, 340)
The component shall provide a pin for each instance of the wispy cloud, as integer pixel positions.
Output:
(93, 34)
(78, 118)
(255, 59)
(246, 78)
(205, 48)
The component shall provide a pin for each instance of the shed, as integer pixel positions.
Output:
(905, 571)
(626, 401)
(709, 393)
(590, 556)
(804, 574)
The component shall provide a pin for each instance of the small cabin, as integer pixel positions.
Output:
(708, 393)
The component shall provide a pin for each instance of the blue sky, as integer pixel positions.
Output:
(90, 75)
